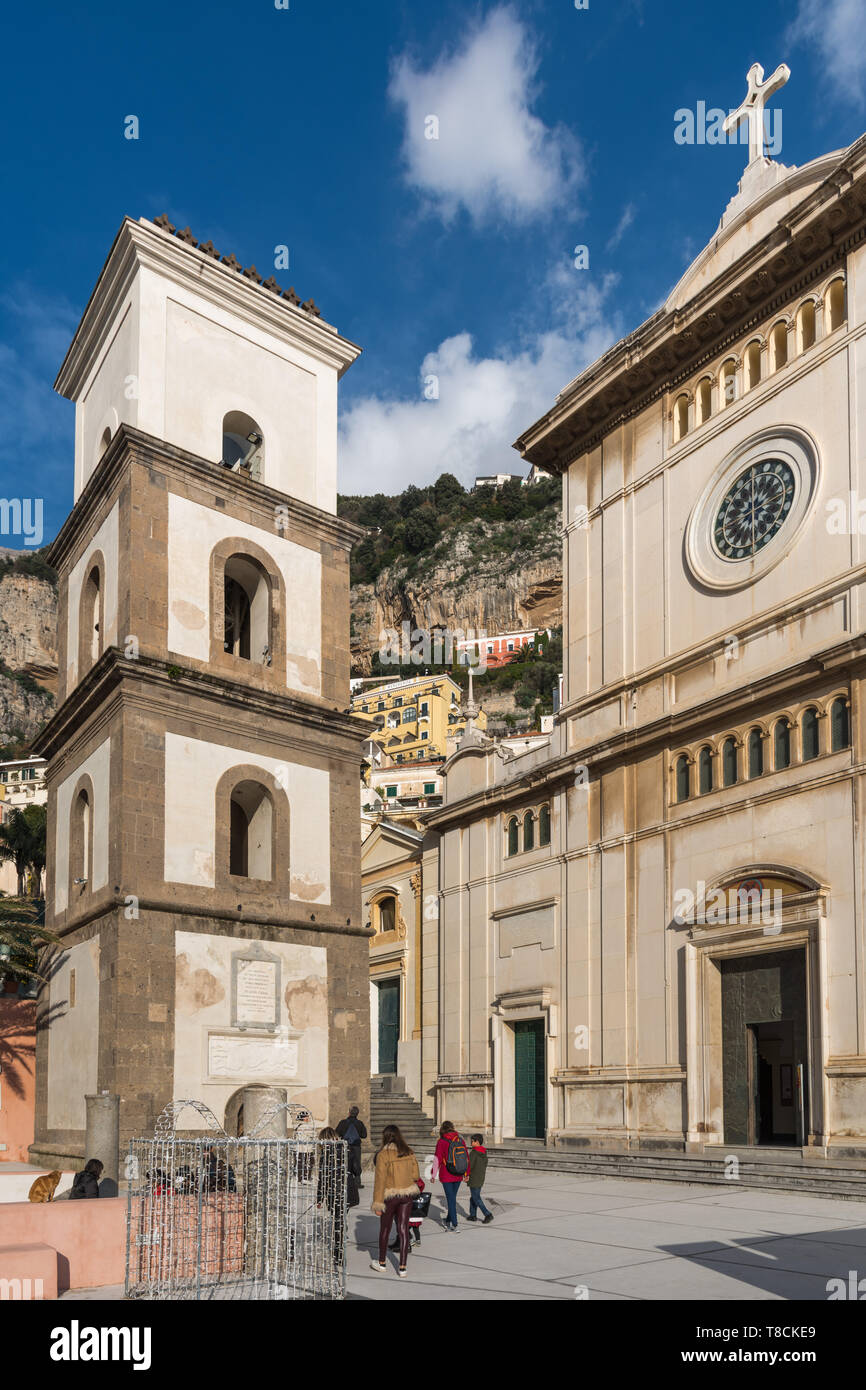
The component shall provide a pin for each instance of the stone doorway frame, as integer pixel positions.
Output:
(529, 1005)
(803, 926)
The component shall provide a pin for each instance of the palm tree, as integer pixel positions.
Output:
(22, 839)
(23, 936)
(16, 843)
(36, 818)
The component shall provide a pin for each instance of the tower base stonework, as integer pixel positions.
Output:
(160, 1020)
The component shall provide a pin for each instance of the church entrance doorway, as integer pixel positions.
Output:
(772, 1068)
(389, 1025)
(529, 1079)
(765, 1048)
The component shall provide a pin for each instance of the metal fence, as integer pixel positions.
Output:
(217, 1217)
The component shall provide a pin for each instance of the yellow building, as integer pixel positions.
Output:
(416, 718)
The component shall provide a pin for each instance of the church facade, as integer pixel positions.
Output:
(203, 832)
(653, 931)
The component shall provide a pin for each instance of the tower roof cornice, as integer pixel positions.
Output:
(143, 245)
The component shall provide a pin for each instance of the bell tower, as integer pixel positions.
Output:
(203, 809)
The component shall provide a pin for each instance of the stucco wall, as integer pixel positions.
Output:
(192, 770)
(294, 1056)
(73, 1038)
(193, 531)
(98, 768)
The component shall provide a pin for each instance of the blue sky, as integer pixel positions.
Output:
(450, 258)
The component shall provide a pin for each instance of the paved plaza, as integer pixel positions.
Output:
(563, 1236)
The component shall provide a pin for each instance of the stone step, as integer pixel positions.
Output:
(390, 1104)
(830, 1179)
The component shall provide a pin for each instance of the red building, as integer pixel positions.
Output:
(497, 651)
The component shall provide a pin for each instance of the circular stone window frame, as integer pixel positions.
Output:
(798, 450)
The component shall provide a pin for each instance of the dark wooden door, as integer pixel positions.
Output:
(529, 1079)
(389, 1025)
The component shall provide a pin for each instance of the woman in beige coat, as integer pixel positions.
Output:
(397, 1182)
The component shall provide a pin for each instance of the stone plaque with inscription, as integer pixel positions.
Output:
(255, 988)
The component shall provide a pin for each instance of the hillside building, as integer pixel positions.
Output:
(415, 718)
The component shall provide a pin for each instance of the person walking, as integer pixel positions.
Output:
(450, 1166)
(353, 1130)
(475, 1178)
(86, 1183)
(330, 1194)
(397, 1181)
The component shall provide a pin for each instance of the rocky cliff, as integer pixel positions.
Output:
(28, 654)
(488, 576)
(485, 576)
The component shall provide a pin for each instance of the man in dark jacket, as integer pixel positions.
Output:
(475, 1177)
(353, 1131)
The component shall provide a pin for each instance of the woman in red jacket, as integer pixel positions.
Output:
(450, 1181)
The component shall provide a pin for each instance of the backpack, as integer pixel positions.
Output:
(351, 1134)
(457, 1157)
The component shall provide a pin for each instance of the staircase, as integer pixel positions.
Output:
(782, 1170)
(390, 1104)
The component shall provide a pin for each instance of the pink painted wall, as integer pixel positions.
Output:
(89, 1237)
(18, 1077)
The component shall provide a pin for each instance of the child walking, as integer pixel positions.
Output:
(475, 1178)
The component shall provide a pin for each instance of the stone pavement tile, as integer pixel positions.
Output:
(838, 1237)
(725, 1218)
(641, 1188)
(700, 1279)
(109, 1293)
(795, 1254)
(794, 1202)
(762, 1282)
(517, 1252)
(537, 1205)
(579, 1200)
(408, 1292)
(382, 1288)
(444, 1277)
(617, 1231)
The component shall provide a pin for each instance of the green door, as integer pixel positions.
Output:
(389, 1024)
(529, 1079)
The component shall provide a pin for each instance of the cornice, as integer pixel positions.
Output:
(675, 342)
(143, 245)
(116, 677)
(281, 921)
(672, 729)
(132, 446)
(543, 777)
(714, 645)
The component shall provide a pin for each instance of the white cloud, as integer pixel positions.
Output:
(493, 155)
(484, 403)
(621, 227)
(837, 28)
